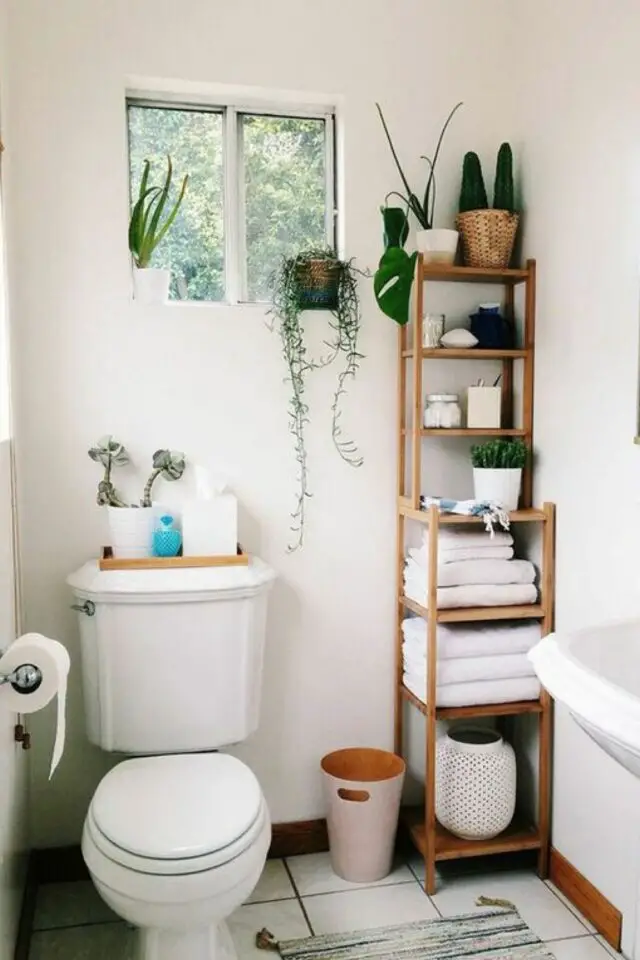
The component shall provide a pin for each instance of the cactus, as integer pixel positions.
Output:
(503, 189)
(473, 195)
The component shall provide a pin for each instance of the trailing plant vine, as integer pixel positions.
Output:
(316, 279)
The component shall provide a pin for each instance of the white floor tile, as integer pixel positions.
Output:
(538, 906)
(283, 918)
(312, 874)
(69, 905)
(274, 884)
(97, 942)
(610, 950)
(367, 908)
(570, 906)
(582, 948)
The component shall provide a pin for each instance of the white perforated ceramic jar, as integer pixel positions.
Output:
(475, 783)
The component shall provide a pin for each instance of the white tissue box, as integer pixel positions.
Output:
(210, 527)
(484, 407)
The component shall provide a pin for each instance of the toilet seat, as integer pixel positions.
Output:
(176, 815)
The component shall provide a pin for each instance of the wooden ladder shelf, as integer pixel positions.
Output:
(432, 840)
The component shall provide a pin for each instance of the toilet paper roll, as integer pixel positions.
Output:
(53, 662)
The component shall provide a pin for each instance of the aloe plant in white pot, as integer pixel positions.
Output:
(497, 471)
(151, 284)
(131, 525)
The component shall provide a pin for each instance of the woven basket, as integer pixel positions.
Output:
(318, 284)
(488, 237)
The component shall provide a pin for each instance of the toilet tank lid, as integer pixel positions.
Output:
(177, 807)
(91, 582)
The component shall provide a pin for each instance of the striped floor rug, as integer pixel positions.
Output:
(495, 935)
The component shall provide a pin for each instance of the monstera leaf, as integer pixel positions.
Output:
(396, 226)
(392, 283)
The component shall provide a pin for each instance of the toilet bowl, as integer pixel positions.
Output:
(174, 844)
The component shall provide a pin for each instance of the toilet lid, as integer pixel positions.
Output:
(176, 807)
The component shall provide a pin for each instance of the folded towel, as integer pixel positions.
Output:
(457, 640)
(492, 513)
(474, 595)
(463, 572)
(471, 669)
(455, 537)
(453, 554)
(471, 694)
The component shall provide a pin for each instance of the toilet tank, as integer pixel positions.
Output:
(171, 659)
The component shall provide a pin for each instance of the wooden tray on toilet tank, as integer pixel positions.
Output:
(109, 562)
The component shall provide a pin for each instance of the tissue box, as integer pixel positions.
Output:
(484, 406)
(210, 527)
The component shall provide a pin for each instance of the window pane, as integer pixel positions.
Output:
(285, 192)
(194, 246)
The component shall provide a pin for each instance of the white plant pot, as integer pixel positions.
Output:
(131, 531)
(475, 783)
(500, 486)
(437, 246)
(151, 285)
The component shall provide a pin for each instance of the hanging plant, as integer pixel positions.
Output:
(316, 279)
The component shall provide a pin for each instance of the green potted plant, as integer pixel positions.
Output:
(393, 280)
(316, 279)
(437, 245)
(488, 235)
(497, 471)
(130, 525)
(146, 232)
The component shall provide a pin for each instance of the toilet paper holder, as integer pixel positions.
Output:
(24, 679)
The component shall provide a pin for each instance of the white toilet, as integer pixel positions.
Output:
(176, 838)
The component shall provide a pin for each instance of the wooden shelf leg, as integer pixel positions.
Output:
(416, 399)
(431, 695)
(400, 614)
(545, 729)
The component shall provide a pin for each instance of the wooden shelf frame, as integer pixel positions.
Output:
(431, 839)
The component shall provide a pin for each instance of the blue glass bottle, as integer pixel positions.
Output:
(166, 539)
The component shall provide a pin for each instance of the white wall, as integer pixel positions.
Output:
(578, 124)
(13, 761)
(89, 361)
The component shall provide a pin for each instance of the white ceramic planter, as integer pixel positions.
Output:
(475, 783)
(151, 285)
(131, 531)
(500, 486)
(437, 246)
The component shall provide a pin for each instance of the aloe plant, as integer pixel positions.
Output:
(168, 464)
(145, 228)
(500, 455)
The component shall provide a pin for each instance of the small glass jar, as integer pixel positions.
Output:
(442, 411)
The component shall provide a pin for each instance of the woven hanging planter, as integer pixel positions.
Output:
(318, 282)
(488, 237)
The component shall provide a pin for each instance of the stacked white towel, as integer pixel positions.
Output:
(477, 663)
(474, 570)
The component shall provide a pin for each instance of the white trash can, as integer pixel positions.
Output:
(362, 788)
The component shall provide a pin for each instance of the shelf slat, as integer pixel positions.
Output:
(513, 709)
(471, 432)
(520, 835)
(526, 611)
(532, 515)
(455, 274)
(467, 353)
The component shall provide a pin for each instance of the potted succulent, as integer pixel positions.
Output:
(437, 245)
(146, 231)
(130, 525)
(497, 471)
(488, 235)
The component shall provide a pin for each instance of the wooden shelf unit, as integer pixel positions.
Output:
(432, 840)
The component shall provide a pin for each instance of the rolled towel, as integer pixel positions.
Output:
(457, 640)
(463, 572)
(471, 694)
(456, 538)
(474, 595)
(471, 669)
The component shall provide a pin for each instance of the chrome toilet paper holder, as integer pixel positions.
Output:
(24, 679)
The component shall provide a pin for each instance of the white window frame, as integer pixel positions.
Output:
(232, 110)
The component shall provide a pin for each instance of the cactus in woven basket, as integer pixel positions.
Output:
(473, 195)
(500, 455)
(503, 194)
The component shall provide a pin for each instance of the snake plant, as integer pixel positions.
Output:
(145, 228)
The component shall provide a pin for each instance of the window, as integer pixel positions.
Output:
(261, 186)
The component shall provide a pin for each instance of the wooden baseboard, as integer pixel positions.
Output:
(590, 902)
(301, 836)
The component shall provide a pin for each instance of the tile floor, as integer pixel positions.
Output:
(302, 896)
